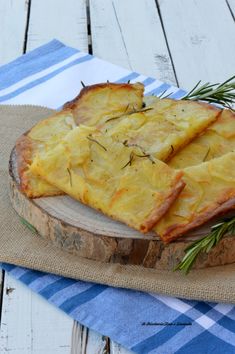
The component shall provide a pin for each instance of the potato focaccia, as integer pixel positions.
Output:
(217, 140)
(120, 181)
(48, 132)
(103, 101)
(43, 136)
(209, 191)
(163, 127)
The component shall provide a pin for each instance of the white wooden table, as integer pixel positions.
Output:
(177, 41)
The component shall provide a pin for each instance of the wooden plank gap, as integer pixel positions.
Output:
(89, 34)
(107, 344)
(2, 277)
(167, 44)
(28, 4)
(230, 10)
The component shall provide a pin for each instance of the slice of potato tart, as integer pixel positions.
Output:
(120, 181)
(217, 140)
(42, 137)
(163, 127)
(209, 191)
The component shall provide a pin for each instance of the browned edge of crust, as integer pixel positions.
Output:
(24, 151)
(87, 89)
(175, 231)
(157, 214)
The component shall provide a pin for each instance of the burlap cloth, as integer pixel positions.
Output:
(19, 246)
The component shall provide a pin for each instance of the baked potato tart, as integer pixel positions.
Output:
(121, 181)
(93, 103)
(209, 191)
(217, 140)
(163, 127)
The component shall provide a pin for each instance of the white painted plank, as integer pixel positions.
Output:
(86, 341)
(13, 16)
(231, 4)
(201, 37)
(61, 19)
(129, 34)
(30, 325)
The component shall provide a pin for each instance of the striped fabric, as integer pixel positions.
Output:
(142, 322)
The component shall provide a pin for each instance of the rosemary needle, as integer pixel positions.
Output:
(95, 141)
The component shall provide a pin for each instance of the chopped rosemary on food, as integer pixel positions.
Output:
(95, 141)
(206, 243)
(129, 113)
(130, 160)
(70, 177)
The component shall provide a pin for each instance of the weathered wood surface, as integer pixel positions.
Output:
(129, 34)
(29, 326)
(178, 47)
(62, 19)
(13, 20)
(201, 38)
(82, 231)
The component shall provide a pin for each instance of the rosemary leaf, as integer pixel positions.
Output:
(129, 113)
(70, 177)
(28, 225)
(95, 141)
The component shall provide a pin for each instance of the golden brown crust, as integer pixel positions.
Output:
(176, 231)
(105, 100)
(156, 214)
(94, 88)
(24, 152)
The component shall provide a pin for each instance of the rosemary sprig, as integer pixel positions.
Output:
(222, 94)
(206, 243)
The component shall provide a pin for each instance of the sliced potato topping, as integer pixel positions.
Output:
(99, 102)
(163, 127)
(120, 181)
(217, 140)
(209, 190)
(42, 137)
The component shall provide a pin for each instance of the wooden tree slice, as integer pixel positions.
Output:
(80, 230)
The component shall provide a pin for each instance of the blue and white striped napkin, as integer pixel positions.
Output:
(143, 322)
